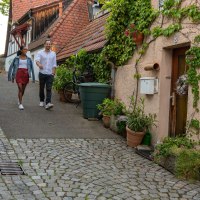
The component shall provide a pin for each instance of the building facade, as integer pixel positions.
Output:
(38, 20)
(162, 66)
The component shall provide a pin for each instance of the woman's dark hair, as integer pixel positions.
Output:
(20, 51)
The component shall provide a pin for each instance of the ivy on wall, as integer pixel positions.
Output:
(193, 61)
(123, 13)
(120, 48)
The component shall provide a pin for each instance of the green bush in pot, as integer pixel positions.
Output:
(106, 109)
(138, 122)
(63, 76)
(137, 119)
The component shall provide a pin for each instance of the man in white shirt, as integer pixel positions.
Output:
(46, 61)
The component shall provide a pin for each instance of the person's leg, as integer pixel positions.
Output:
(20, 92)
(23, 89)
(49, 84)
(41, 87)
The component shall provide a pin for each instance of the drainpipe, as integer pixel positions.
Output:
(113, 72)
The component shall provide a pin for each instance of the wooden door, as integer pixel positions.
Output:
(178, 108)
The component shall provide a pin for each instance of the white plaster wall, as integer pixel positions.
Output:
(8, 61)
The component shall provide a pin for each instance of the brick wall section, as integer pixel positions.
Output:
(20, 7)
(72, 21)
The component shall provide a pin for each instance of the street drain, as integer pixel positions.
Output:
(11, 168)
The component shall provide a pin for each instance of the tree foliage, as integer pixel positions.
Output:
(4, 7)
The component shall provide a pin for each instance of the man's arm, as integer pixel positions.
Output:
(54, 65)
(33, 74)
(39, 64)
(37, 60)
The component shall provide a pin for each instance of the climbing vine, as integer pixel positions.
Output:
(123, 13)
(139, 13)
(193, 61)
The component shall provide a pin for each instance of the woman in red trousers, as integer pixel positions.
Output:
(21, 69)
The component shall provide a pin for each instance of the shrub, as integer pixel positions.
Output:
(137, 119)
(63, 76)
(188, 164)
(165, 148)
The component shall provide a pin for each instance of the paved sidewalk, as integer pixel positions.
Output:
(71, 169)
(63, 121)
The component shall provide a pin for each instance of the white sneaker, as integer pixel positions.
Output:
(41, 104)
(49, 106)
(21, 107)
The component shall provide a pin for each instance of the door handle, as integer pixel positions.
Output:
(173, 98)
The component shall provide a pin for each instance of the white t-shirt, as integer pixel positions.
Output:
(48, 60)
(23, 64)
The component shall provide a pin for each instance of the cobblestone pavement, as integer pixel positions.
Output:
(73, 169)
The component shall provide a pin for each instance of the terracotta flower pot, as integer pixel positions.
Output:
(138, 37)
(62, 97)
(106, 121)
(134, 138)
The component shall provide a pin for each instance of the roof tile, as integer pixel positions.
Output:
(91, 38)
(20, 8)
(65, 27)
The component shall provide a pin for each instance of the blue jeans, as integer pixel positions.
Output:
(45, 80)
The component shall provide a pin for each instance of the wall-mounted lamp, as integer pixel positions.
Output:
(154, 67)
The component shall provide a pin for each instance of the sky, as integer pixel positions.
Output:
(3, 32)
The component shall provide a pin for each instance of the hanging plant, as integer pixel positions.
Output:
(133, 33)
(182, 85)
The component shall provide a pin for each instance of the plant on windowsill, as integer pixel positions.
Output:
(138, 122)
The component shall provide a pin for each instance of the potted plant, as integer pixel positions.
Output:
(137, 123)
(136, 35)
(106, 110)
(121, 125)
(63, 76)
(118, 110)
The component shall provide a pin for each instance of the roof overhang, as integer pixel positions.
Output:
(20, 29)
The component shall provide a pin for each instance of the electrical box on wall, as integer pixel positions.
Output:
(148, 85)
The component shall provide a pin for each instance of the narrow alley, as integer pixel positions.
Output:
(66, 157)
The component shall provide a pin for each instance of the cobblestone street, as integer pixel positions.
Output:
(71, 169)
(66, 157)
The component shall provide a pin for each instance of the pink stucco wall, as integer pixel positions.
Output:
(159, 51)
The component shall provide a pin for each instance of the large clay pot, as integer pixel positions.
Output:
(106, 121)
(134, 138)
(62, 97)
